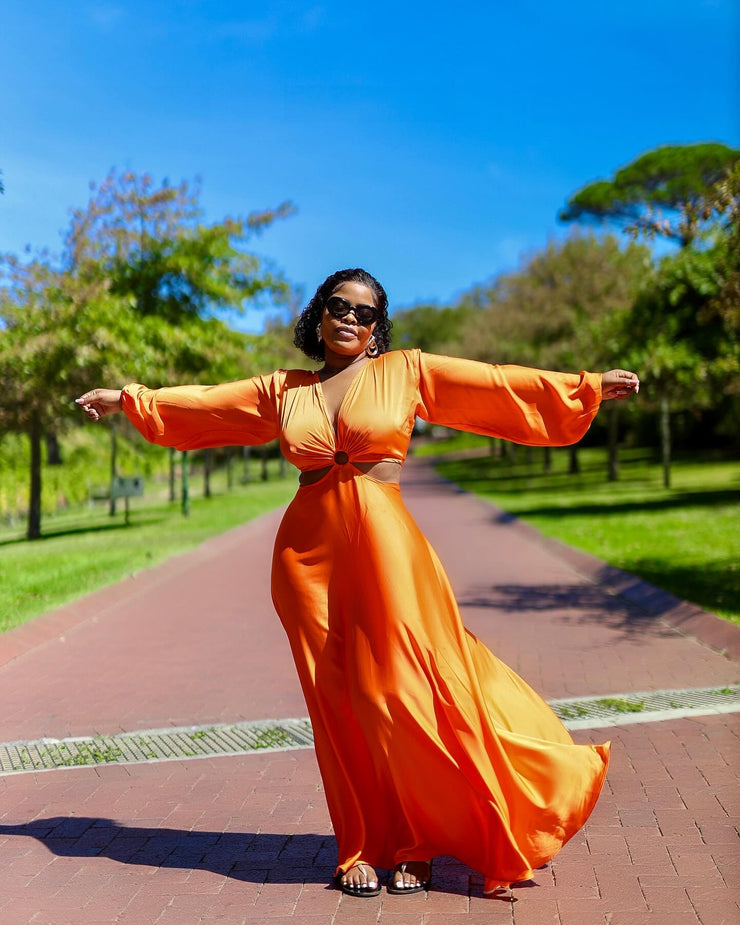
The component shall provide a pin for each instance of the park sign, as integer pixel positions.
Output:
(126, 487)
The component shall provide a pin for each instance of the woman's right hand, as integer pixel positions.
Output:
(99, 402)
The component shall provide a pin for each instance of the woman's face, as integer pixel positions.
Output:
(347, 336)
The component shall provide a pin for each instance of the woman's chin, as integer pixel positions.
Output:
(346, 347)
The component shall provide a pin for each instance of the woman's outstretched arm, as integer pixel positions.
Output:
(193, 417)
(530, 406)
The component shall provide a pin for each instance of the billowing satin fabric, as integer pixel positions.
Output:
(427, 743)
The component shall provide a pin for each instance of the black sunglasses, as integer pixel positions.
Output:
(339, 308)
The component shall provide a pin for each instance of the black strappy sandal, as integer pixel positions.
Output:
(360, 889)
(404, 890)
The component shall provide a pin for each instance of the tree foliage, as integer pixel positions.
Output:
(688, 357)
(431, 328)
(553, 311)
(57, 335)
(662, 192)
(724, 199)
(134, 298)
(152, 246)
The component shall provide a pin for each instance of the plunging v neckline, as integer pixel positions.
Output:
(334, 424)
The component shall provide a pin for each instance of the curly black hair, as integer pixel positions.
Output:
(305, 330)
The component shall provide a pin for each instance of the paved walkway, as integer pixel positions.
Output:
(248, 839)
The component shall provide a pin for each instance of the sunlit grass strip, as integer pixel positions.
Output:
(684, 539)
(87, 549)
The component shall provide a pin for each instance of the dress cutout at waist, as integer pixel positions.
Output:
(387, 470)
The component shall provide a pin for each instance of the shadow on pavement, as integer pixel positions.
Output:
(248, 856)
(587, 603)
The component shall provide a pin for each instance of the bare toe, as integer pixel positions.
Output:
(412, 875)
(359, 880)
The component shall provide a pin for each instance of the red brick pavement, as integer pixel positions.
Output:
(248, 839)
(192, 641)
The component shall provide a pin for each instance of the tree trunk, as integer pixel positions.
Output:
(172, 472)
(113, 466)
(185, 494)
(613, 445)
(665, 439)
(529, 455)
(547, 460)
(53, 451)
(34, 503)
(264, 474)
(246, 456)
(229, 468)
(574, 463)
(510, 452)
(206, 473)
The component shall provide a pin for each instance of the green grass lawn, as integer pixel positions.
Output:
(85, 549)
(685, 539)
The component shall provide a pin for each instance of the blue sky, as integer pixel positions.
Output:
(431, 143)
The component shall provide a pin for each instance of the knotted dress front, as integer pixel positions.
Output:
(427, 743)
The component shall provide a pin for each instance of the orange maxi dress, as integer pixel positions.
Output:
(427, 743)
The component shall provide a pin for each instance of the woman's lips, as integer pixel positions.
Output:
(346, 332)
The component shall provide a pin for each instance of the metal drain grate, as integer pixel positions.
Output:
(156, 745)
(276, 735)
(645, 706)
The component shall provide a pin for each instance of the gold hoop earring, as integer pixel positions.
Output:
(372, 349)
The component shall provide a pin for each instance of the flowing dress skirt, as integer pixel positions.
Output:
(427, 743)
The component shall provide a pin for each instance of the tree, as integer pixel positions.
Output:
(198, 350)
(55, 337)
(662, 192)
(141, 274)
(152, 246)
(686, 353)
(558, 310)
(723, 199)
(431, 328)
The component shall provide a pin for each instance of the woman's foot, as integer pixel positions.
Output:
(359, 880)
(411, 877)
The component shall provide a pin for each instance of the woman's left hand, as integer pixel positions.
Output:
(619, 384)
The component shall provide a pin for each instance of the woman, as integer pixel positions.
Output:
(426, 742)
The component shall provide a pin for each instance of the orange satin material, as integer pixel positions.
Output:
(427, 743)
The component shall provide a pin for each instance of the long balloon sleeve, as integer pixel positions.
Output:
(529, 406)
(192, 417)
